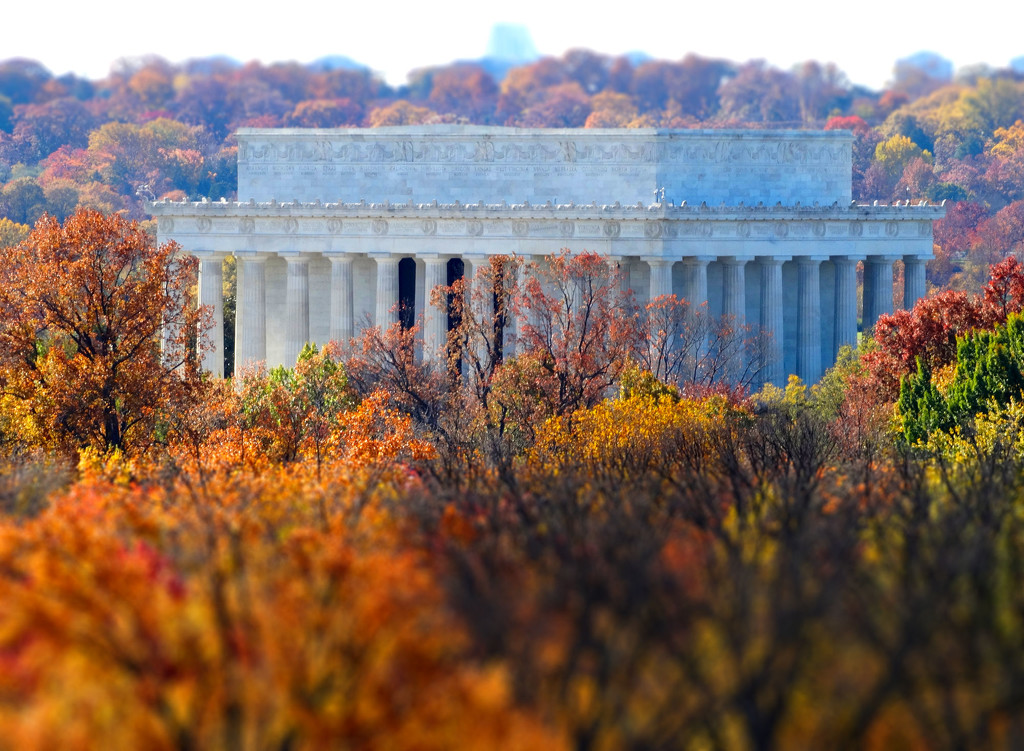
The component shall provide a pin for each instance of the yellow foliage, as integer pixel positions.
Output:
(12, 233)
(897, 152)
(795, 395)
(1008, 141)
(626, 436)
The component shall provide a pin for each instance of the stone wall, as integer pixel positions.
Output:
(470, 164)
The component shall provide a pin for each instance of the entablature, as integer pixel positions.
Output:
(613, 229)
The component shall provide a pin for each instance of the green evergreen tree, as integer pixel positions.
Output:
(922, 408)
(989, 374)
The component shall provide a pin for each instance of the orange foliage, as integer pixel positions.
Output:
(83, 305)
(239, 614)
(400, 113)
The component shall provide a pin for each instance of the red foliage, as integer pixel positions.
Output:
(1004, 293)
(957, 232)
(847, 122)
(580, 324)
(929, 332)
(1004, 232)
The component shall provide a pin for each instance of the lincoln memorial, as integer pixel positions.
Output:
(332, 228)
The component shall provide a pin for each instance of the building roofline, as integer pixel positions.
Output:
(482, 131)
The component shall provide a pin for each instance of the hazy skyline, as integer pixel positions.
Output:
(397, 37)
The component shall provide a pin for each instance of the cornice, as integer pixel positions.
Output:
(549, 211)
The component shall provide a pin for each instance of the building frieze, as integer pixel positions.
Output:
(556, 224)
(490, 146)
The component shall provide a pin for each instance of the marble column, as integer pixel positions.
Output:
(342, 307)
(773, 366)
(526, 316)
(211, 296)
(387, 290)
(734, 310)
(172, 351)
(846, 303)
(734, 288)
(622, 269)
(661, 276)
(808, 327)
(913, 280)
(435, 319)
(695, 292)
(296, 324)
(478, 303)
(877, 290)
(470, 265)
(695, 289)
(251, 319)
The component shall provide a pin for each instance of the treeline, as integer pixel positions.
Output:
(153, 129)
(593, 544)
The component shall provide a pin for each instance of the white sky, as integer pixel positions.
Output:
(864, 39)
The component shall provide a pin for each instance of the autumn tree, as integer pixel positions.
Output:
(956, 232)
(928, 334)
(760, 93)
(12, 233)
(685, 346)
(298, 410)
(691, 84)
(61, 198)
(1003, 233)
(6, 112)
(22, 200)
(161, 153)
(895, 154)
(83, 360)
(822, 90)
(579, 325)
(153, 84)
(22, 80)
(611, 110)
(324, 113)
(466, 90)
(561, 106)
(989, 376)
(399, 113)
(47, 127)
(865, 139)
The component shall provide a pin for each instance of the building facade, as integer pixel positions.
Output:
(333, 227)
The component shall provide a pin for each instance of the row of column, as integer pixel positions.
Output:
(878, 300)
(250, 332)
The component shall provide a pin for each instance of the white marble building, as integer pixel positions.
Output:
(333, 227)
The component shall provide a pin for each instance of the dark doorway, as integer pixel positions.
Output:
(456, 269)
(407, 292)
(502, 315)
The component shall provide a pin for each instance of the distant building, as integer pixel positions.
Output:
(922, 72)
(510, 45)
(336, 227)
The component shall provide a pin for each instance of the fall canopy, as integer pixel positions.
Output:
(82, 307)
